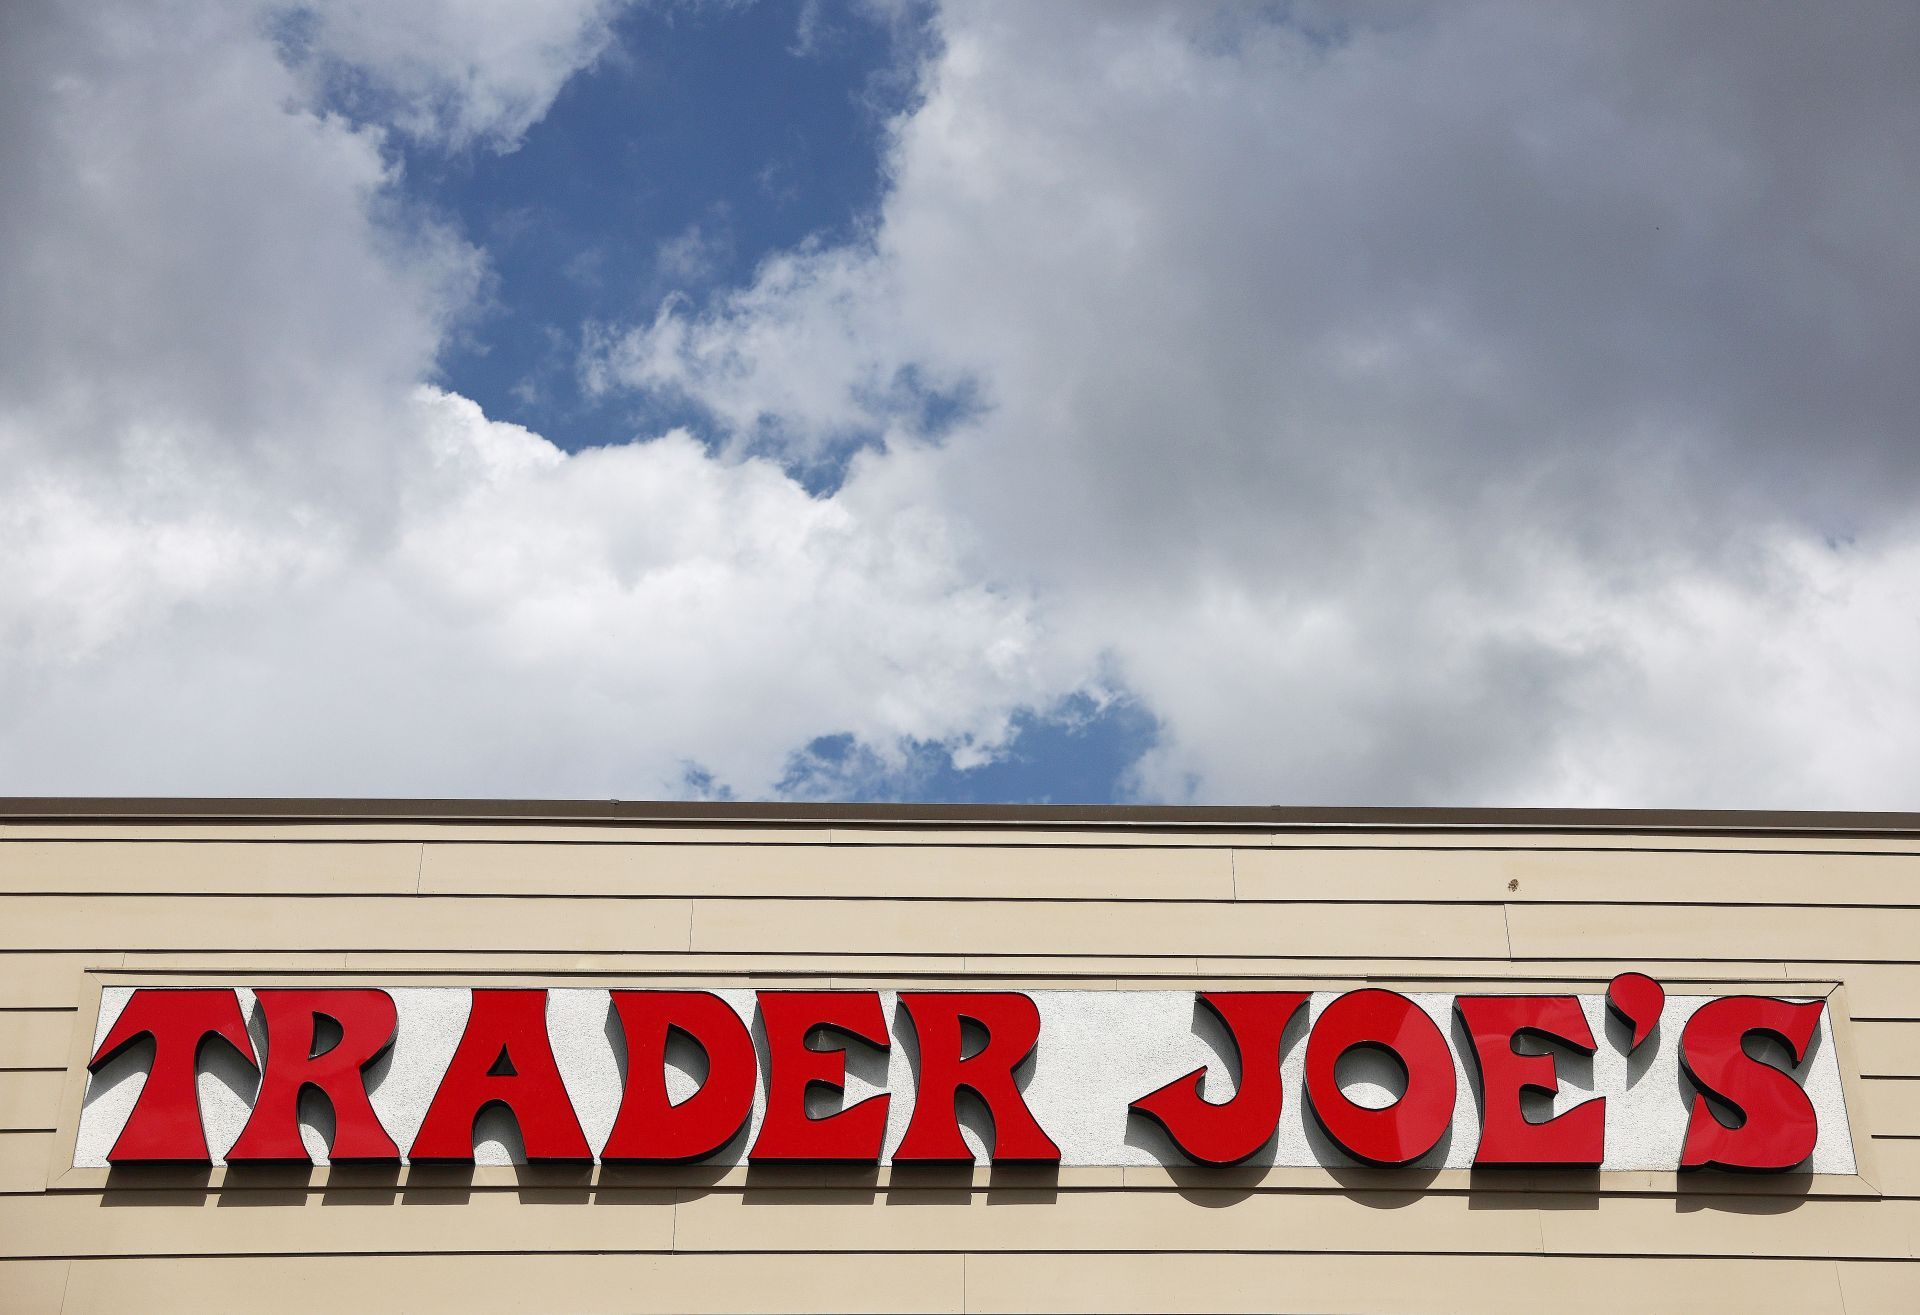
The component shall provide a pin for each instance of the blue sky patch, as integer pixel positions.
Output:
(704, 139)
(1081, 752)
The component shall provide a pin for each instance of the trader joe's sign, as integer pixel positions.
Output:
(1632, 1079)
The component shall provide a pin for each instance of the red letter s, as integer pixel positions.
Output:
(1778, 1125)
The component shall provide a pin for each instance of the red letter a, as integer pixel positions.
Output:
(504, 1058)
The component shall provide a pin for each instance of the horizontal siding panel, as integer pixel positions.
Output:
(1381, 1186)
(31, 1100)
(277, 922)
(1895, 1165)
(1200, 837)
(508, 1285)
(1198, 1219)
(155, 867)
(1148, 971)
(33, 1287)
(985, 926)
(1874, 990)
(1880, 1289)
(24, 1159)
(369, 1221)
(717, 967)
(46, 981)
(1726, 1225)
(902, 872)
(39, 1038)
(1500, 1285)
(1655, 931)
(1892, 1106)
(156, 1222)
(1588, 974)
(476, 1285)
(1412, 839)
(235, 961)
(1560, 876)
(1884, 1049)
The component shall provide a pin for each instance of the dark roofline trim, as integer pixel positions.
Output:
(594, 812)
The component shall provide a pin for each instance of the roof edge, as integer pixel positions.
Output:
(1083, 816)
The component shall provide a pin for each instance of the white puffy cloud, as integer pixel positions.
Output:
(1471, 403)
(628, 621)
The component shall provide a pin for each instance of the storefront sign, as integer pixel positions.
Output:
(1634, 1079)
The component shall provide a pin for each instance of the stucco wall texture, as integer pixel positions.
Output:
(1112, 917)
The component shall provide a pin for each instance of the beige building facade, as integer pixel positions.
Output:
(1110, 923)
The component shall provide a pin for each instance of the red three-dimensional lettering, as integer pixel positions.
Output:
(165, 1124)
(1229, 1132)
(854, 1135)
(1012, 1025)
(504, 1058)
(1382, 1020)
(1778, 1126)
(649, 1126)
(366, 1021)
(1576, 1138)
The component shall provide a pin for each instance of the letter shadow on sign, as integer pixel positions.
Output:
(1518, 1187)
(289, 1183)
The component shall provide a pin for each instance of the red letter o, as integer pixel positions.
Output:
(1411, 1126)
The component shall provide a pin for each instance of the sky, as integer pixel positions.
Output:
(1364, 404)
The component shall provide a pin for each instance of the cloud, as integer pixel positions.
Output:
(693, 254)
(249, 551)
(1479, 403)
(449, 72)
(603, 624)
